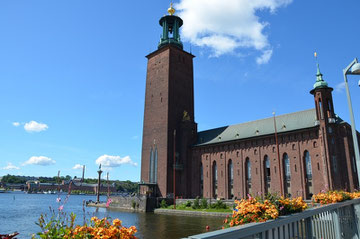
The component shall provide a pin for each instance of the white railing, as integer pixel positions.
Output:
(334, 221)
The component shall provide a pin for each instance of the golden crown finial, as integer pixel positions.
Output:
(171, 10)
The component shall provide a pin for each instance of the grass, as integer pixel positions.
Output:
(182, 207)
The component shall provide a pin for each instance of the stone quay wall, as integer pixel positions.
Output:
(134, 203)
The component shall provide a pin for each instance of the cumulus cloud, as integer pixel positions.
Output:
(16, 124)
(40, 160)
(226, 26)
(111, 161)
(34, 126)
(340, 87)
(77, 166)
(10, 166)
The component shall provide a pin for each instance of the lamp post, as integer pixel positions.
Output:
(353, 69)
(99, 185)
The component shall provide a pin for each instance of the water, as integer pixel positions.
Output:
(20, 211)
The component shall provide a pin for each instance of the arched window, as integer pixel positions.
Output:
(308, 175)
(267, 175)
(201, 180)
(231, 179)
(155, 164)
(308, 164)
(321, 110)
(248, 175)
(287, 166)
(215, 180)
(151, 166)
(287, 174)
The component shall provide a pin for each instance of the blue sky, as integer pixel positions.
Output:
(72, 73)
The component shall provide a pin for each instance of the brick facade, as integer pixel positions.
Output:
(311, 159)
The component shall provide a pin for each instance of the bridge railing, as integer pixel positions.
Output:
(334, 221)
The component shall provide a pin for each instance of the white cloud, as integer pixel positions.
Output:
(340, 87)
(10, 166)
(77, 166)
(265, 57)
(226, 26)
(40, 160)
(110, 161)
(16, 124)
(34, 126)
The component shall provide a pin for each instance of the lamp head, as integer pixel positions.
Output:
(355, 69)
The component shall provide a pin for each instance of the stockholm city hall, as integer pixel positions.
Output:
(298, 154)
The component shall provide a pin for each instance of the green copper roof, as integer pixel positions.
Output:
(284, 123)
(320, 83)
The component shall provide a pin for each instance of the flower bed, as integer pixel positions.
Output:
(98, 228)
(334, 196)
(260, 210)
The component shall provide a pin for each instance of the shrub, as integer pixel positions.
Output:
(196, 204)
(133, 204)
(163, 204)
(218, 205)
(204, 203)
(188, 204)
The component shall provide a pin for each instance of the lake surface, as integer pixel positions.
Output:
(20, 211)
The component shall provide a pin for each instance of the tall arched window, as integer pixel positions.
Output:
(230, 179)
(267, 176)
(215, 180)
(201, 180)
(287, 174)
(155, 164)
(151, 166)
(308, 174)
(248, 175)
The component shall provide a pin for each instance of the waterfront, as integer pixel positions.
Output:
(20, 211)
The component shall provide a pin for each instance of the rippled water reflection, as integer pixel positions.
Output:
(20, 211)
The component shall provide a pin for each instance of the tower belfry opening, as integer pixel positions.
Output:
(171, 25)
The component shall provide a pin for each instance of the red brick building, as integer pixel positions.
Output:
(312, 151)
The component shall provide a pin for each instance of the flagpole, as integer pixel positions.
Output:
(278, 155)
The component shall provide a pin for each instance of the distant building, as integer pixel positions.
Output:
(313, 150)
(35, 185)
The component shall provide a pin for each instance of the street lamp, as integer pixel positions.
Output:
(353, 69)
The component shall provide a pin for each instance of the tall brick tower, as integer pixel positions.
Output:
(326, 120)
(169, 127)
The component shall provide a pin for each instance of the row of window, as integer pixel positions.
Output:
(267, 175)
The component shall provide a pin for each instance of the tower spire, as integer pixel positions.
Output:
(320, 83)
(171, 10)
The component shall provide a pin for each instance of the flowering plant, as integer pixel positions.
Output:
(333, 197)
(355, 194)
(262, 209)
(251, 210)
(288, 205)
(98, 228)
